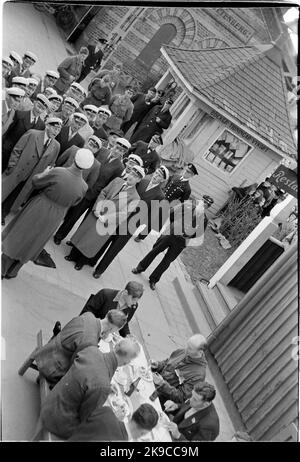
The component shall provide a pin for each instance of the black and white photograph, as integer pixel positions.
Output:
(149, 265)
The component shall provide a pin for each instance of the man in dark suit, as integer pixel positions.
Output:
(69, 135)
(48, 81)
(109, 170)
(22, 122)
(67, 108)
(178, 187)
(149, 190)
(157, 120)
(185, 228)
(147, 152)
(103, 425)
(142, 103)
(197, 418)
(93, 61)
(114, 299)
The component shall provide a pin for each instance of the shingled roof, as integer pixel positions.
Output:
(244, 82)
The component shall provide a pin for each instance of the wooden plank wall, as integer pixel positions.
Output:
(255, 355)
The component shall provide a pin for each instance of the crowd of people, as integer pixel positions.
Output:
(69, 153)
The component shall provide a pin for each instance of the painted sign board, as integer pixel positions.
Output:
(229, 19)
(286, 179)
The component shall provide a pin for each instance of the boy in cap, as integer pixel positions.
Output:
(77, 92)
(98, 126)
(35, 150)
(13, 98)
(17, 61)
(20, 82)
(91, 112)
(27, 103)
(157, 120)
(49, 80)
(23, 69)
(147, 151)
(69, 135)
(68, 107)
(178, 233)
(69, 70)
(21, 241)
(130, 162)
(93, 61)
(178, 186)
(55, 101)
(7, 66)
(21, 123)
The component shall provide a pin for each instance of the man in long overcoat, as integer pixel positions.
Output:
(157, 120)
(69, 70)
(34, 151)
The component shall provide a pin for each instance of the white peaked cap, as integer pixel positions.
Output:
(43, 99)
(7, 60)
(165, 171)
(79, 87)
(15, 56)
(70, 100)
(53, 74)
(105, 110)
(84, 158)
(91, 107)
(53, 93)
(32, 80)
(80, 115)
(96, 139)
(138, 169)
(123, 142)
(20, 80)
(15, 91)
(54, 120)
(137, 159)
(31, 55)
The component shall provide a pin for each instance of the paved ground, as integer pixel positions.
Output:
(40, 296)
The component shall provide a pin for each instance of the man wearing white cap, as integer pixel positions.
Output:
(17, 61)
(27, 103)
(55, 101)
(64, 187)
(77, 92)
(7, 66)
(34, 151)
(68, 107)
(11, 103)
(22, 122)
(91, 112)
(69, 135)
(23, 69)
(69, 70)
(147, 151)
(129, 162)
(49, 91)
(102, 116)
(148, 191)
(49, 80)
(20, 82)
(93, 232)
(111, 168)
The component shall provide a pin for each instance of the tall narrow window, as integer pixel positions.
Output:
(151, 52)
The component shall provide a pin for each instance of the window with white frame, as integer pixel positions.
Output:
(227, 152)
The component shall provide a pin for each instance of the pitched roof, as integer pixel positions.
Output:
(244, 82)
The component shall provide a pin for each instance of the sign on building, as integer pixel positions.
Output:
(286, 179)
(232, 22)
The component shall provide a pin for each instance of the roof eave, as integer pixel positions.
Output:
(224, 113)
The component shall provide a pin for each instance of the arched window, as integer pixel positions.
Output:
(151, 52)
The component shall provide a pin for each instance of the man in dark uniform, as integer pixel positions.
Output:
(148, 191)
(157, 120)
(69, 135)
(178, 187)
(93, 61)
(148, 153)
(110, 169)
(185, 228)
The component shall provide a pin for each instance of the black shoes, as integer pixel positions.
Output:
(152, 285)
(57, 328)
(78, 266)
(135, 271)
(68, 258)
(57, 241)
(69, 243)
(96, 275)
